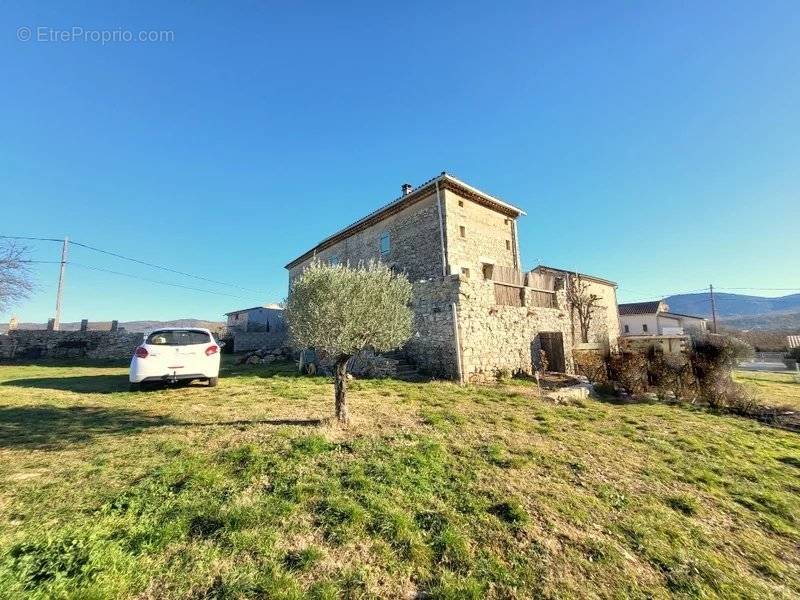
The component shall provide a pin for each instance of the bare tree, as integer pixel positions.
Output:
(340, 311)
(15, 275)
(582, 303)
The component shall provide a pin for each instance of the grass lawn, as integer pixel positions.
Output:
(436, 490)
(772, 388)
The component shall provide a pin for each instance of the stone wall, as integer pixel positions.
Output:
(415, 246)
(505, 338)
(432, 347)
(101, 345)
(488, 236)
(247, 341)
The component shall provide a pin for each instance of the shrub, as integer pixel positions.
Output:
(629, 369)
(670, 374)
(591, 364)
(712, 359)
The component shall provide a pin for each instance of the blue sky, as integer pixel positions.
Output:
(655, 144)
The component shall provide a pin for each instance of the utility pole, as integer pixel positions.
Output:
(60, 293)
(713, 307)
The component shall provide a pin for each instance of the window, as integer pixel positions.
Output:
(462, 231)
(627, 329)
(465, 272)
(177, 337)
(644, 327)
(508, 244)
(488, 270)
(385, 243)
(461, 203)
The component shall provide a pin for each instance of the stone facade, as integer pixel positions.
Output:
(498, 338)
(476, 236)
(432, 346)
(414, 243)
(246, 341)
(450, 238)
(100, 345)
(257, 319)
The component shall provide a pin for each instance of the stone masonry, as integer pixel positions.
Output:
(449, 239)
(102, 345)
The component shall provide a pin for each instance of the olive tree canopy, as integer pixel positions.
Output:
(341, 310)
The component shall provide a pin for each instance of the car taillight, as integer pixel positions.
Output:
(212, 349)
(141, 352)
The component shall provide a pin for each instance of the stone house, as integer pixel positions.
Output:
(477, 313)
(256, 319)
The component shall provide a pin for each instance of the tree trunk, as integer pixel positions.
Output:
(340, 383)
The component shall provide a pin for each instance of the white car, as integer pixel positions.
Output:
(176, 354)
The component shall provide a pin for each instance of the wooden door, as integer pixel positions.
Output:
(552, 342)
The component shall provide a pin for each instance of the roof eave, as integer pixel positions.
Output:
(395, 205)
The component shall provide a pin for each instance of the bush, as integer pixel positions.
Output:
(713, 357)
(671, 374)
(629, 369)
(591, 364)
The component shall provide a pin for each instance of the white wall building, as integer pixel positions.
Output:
(655, 318)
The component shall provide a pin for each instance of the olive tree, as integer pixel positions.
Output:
(341, 310)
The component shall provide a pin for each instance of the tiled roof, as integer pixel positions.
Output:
(639, 308)
(539, 268)
(407, 200)
(793, 341)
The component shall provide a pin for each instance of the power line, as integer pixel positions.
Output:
(178, 285)
(41, 262)
(135, 260)
(22, 237)
(154, 266)
(765, 289)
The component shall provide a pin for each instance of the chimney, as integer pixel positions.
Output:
(407, 188)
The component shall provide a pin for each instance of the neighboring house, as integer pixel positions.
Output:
(793, 341)
(256, 319)
(476, 312)
(655, 318)
(257, 328)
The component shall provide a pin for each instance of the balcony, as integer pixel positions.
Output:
(517, 288)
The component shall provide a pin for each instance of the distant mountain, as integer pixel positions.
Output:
(733, 305)
(741, 311)
(132, 326)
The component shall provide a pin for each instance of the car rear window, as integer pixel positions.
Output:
(178, 337)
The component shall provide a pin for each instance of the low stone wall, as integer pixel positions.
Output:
(256, 340)
(101, 345)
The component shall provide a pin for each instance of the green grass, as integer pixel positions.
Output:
(773, 389)
(245, 490)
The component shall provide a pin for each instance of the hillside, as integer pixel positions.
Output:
(742, 311)
(733, 305)
(132, 326)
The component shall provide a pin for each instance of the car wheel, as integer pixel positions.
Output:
(212, 381)
(136, 387)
